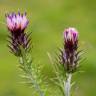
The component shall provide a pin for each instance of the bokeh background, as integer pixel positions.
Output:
(48, 19)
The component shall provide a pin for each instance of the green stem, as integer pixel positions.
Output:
(67, 86)
(24, 62)
(36, 85)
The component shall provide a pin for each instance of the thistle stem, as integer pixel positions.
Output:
(36, 85)
(28, 71)
(67, 85)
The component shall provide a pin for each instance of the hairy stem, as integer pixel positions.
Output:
(67, 86)
(24, 62)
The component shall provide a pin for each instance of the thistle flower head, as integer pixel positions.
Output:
(71, 34)
(17, 24)
(69, 55)
(71, 38)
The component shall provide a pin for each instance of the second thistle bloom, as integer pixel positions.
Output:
(17, 24)
(71, 39)
(69, 55)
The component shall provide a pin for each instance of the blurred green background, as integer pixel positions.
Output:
(48, 18)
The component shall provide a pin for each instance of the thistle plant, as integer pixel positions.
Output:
(20, 45)
(69, 57)
(67, 61)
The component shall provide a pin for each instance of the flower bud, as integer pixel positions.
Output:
(71, 34)
(71, 38)
(69, 55)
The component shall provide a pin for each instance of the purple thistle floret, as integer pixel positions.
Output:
(17, 24)
(16, 21)
(71, 39)
(69, 56)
